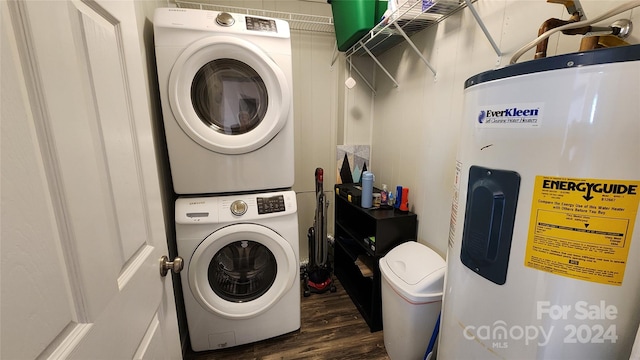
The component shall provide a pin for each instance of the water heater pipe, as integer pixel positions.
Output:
(541, 48)
(613, 12)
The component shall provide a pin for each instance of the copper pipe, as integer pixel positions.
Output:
(589, 43)
(603, 41)
(541, 48)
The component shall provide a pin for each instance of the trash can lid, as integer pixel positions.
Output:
(415, 271)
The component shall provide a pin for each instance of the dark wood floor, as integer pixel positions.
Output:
(332, 328)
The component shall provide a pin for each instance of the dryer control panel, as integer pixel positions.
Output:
(260, 24)
(167, 20)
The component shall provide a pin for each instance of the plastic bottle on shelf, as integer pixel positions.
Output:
(404, 204)
(392, 199)
(398, 196)
(384, 195)
(376, 200)
(367, 190)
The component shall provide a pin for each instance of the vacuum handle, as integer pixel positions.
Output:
(319, 175)
(319, 181)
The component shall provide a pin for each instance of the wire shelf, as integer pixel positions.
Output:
(304, 22)
(412, 16)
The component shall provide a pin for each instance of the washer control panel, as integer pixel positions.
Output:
(268, 205)
(234, 208)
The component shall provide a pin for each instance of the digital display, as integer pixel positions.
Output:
(268, 205)
(258, 24)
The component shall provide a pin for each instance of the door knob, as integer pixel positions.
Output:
(165, 265)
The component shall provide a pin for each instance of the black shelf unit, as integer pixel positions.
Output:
(353, 228)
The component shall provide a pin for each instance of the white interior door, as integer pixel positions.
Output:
(82, 222)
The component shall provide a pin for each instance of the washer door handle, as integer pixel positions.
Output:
(165, 265)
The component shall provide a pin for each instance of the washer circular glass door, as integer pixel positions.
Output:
(241, 270)
(228, 95)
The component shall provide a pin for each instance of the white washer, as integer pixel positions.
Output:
(226, 92)
(241, 276)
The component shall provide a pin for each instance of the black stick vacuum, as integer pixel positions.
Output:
(318, 277)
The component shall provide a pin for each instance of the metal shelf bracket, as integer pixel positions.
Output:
(351, 66)
(483, 27)
(380, 66)
(413, 46)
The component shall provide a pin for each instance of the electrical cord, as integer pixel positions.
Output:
(613, 12)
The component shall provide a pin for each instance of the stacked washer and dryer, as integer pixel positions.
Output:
(226, 93)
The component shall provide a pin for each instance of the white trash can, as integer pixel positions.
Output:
(412, 283)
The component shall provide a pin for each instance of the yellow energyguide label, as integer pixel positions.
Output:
(582, 228)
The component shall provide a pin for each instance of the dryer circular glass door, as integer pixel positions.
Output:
(228, 95)
(242, 270)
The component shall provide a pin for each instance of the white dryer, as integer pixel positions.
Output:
(226, 92)
(241, 276)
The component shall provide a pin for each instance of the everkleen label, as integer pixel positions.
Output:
(582, 228)
(510, 115)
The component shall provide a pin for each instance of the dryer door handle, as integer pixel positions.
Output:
(165, 265)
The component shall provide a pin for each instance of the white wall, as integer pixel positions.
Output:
(315, 122)
(414, 132)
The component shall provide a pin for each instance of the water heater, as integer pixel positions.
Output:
(544, 252)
